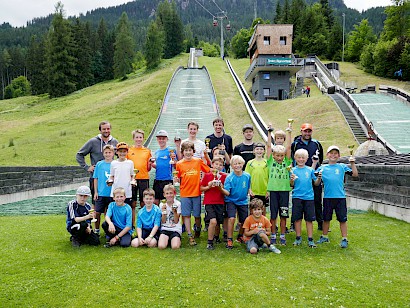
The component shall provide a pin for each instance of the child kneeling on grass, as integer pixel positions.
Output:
(257, 229)
(118, 221)
(148, 221)
(171, 229)
(79, 219)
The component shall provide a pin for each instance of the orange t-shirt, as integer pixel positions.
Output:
(140, 158)
(189, 171)
(251, 223)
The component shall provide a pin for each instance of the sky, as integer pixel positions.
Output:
(18, 12)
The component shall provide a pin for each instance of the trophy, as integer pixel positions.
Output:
(290, 122)
(351, 147)
(216, 181)
(109, 181)
(289, 168)
(269, 128)
(316, 155)
(91, 212)
(207, 141)
(171, 153)
(133, 181)
(174, 174)
(177, 136)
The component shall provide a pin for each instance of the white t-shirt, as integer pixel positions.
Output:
(122, 172)
(169, 224)
(199, 146)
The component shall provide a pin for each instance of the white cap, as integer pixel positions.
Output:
(84, 190)
(333, 147)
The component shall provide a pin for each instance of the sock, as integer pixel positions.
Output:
(210, 242)
(230, 238)
(298, 237)
(189, 234)
(97, 230)
(282, 236)
(273, 236)
(310, 238)
(344, 238)
(225, 234)
(325, 236)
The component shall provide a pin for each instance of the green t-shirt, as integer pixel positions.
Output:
(279, 176)
(258, 169)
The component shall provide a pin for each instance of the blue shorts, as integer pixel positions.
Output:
(303, 209)
(337, 204)
(279, 203)
(191, 205)
(232, 208)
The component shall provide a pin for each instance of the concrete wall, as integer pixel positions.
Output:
(22, 183)
(275, 83)
(384, 189)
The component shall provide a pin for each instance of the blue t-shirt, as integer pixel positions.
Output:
(149, 219)
(303, 188)
(163, 171)
(333, 180)
(238, 187)
(121, 216)
(102, 173)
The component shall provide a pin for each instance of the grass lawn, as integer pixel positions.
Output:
(41, 269)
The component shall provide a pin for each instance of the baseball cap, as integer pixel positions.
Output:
(247, 126)
(333, 147)
(259, 145)
(122, 145)
(306, 126)
(162, 133)
(83, 190)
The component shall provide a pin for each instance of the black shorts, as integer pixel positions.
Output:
(101, 204)
(303, 209)
(137, 190)
(279, 203)
(263, 198)
(232, 208)
(337, 204)
(146, 232)
(171, 234)
(214, 211)
(159, 188)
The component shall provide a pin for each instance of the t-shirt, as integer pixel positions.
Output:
(121, 216)
(303, 188)
(333, 180)
(224, 139)
(122, 172)
(259, 171)
(163, 170)
(279, 176)
(102, 173)
(148, 219)
(169, 224)
(214, 194)
(245, 151)
(189, 171)
(199, 147)
(140, 158)
(238, 187)
(251, 223)
(76, 210)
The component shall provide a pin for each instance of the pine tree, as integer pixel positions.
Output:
(153, 46)
(278, 13)
(35, 66)
(82, 53)
(124, 48)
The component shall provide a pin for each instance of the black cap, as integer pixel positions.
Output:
(247, 126)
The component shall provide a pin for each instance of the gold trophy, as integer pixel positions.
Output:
(174, 174)
(207, 141)
(351, 147)
(216, 181)
(134, 181)
(289, 168)
(171, 153)
(290, 122)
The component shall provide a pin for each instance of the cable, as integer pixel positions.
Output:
(205, 9)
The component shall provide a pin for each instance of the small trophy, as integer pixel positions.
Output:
(109, 181)
(133, 181)
(174, 206)
(174, 174)
(171, 154)
(216, 181)
(177, 136)
(207, 141)
(91, 212)
(351, 147)
(289, 168)
(316, 155)
(270, 128)
(290, 122)
(152, 159)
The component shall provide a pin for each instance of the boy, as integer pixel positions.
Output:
(101, 174)
(257, 229)
(303, 197)
(118, 221)
(141, 157)
(148, 221)
(163, 169)
(171, 229)
(79, 219)
(122, 174)
(200, 147)
(332, 176)
(189, 172)
(237, 187)
(212, 185)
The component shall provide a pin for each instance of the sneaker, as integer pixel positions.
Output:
(264, 246)
(210, 247)
(273, 241)
(75, 242)
(344, 243)
(283, 241)
(290, 230)
(312, 244)
(240, 240)
(229, 244)
(108, 245)
(217, 240)
(272, 248)
(323, 239)
(192, 241)
(297, 242)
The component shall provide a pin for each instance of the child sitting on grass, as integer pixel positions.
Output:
(79, 219)
(171, 229)
(118, 221)
(333, 176)
(148, 221)
(257, 229)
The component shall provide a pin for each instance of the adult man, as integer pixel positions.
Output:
(315, 150)
(94, 148)
(220, 139)
(245, 149)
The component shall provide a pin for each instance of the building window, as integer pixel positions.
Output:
(266, 40)
(266, 76)
(266, 92)
(282, 40)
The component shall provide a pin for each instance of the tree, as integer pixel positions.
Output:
(278, 13)
(153, 45)
(36, 66)
(19, 86)
(397, 23)
(366, 58)
(124, 48)
(239, 43)
(357, 39)
(82, 53)
(327, 13)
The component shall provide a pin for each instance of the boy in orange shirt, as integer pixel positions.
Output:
(141, 157)
(189, 172)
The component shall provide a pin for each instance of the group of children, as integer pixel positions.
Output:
(268, 182)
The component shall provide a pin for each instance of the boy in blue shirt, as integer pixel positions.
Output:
(236, 189)
(101, 174)
(303, 204)
(148, 222)
(118, 221)
(333, 176)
